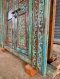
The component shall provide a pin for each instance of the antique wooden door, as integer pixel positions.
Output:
(28, 31)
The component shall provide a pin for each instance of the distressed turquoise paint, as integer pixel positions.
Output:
(2, 23)
(30, 29)
(42, 61)
(21, 51)
(45, 39)
(43, 35)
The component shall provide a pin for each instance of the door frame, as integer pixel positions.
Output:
(51, 29)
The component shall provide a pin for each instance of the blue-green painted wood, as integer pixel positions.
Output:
(21, 50)
(40, 35)
(41, 28)
(43, 36)
(30, 29)
(45, 39)
(1, 23)
(0, 20)
(44, 9)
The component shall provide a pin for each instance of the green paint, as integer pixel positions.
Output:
(1, 23)
(21, 51)
(45, 37)
(30, 29)
(42, 37)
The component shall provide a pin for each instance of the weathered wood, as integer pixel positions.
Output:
(35, 33)
(30, 29)
(45, 37)
(21, 56)
(41, 29)
(38, 23)
(43, 20)
(51, 28)
(1, 23)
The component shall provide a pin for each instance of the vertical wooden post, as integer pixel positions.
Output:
(2, 24)
(5, 21)
(30, 29)
(43, 19)
(51, 28)
(41, 28)
(35, 33)
(45, 38)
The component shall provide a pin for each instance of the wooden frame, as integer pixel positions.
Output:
(51, 29)
(1, 24)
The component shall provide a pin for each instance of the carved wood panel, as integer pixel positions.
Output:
(22, 32)
(35, 32)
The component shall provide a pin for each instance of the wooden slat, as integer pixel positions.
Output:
(43, 20)
(51, 27)
(2, 22)
(35, 33)
(5, 21)
(30, 28)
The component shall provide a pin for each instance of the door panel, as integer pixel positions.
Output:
(22, 34)
(14, 32)
(20, 28)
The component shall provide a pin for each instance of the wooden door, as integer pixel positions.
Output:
(30, 31)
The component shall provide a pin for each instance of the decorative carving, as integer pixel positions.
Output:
(21, 32)
(40, 34)
(35, 32)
